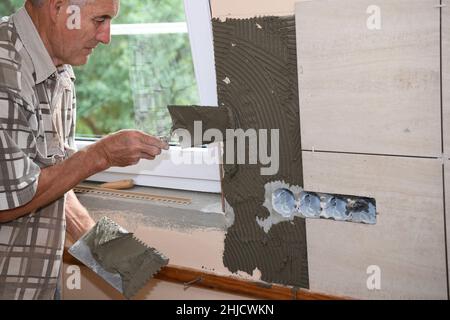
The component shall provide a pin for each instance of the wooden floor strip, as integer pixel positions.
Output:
(256, 289)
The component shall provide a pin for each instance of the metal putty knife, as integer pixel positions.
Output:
(118, 257)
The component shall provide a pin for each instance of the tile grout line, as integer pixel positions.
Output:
(373, 154)
(445, 230)
(442, 148)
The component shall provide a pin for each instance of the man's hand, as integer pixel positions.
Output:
(78, 220)
(126, 148)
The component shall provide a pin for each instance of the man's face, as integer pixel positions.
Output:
(74, 40)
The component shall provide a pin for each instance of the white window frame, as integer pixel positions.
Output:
(164, 172)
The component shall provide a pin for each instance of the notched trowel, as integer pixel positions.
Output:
(118, 257)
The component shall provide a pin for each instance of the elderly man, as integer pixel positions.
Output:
(38, 164)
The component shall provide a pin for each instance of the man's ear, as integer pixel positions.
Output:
(56, 9)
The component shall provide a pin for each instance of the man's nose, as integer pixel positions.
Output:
(104, 33)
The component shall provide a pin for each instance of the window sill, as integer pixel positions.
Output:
(205, 209)
(166, 171)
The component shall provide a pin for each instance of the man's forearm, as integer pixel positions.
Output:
(56, 180)
(121, 149)
(77, 217)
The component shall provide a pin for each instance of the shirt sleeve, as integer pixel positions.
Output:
(72, 147)
(18, 172)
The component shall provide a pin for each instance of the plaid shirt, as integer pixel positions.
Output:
(37, 110)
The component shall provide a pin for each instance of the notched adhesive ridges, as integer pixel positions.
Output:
(257, 84)
(257, 58)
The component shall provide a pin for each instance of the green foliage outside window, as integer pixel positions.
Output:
(129, 83)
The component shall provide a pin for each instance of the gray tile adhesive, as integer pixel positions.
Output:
(119, 258)
(256, 68)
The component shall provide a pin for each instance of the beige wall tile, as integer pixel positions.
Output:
(369, 91)
(407, 242)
